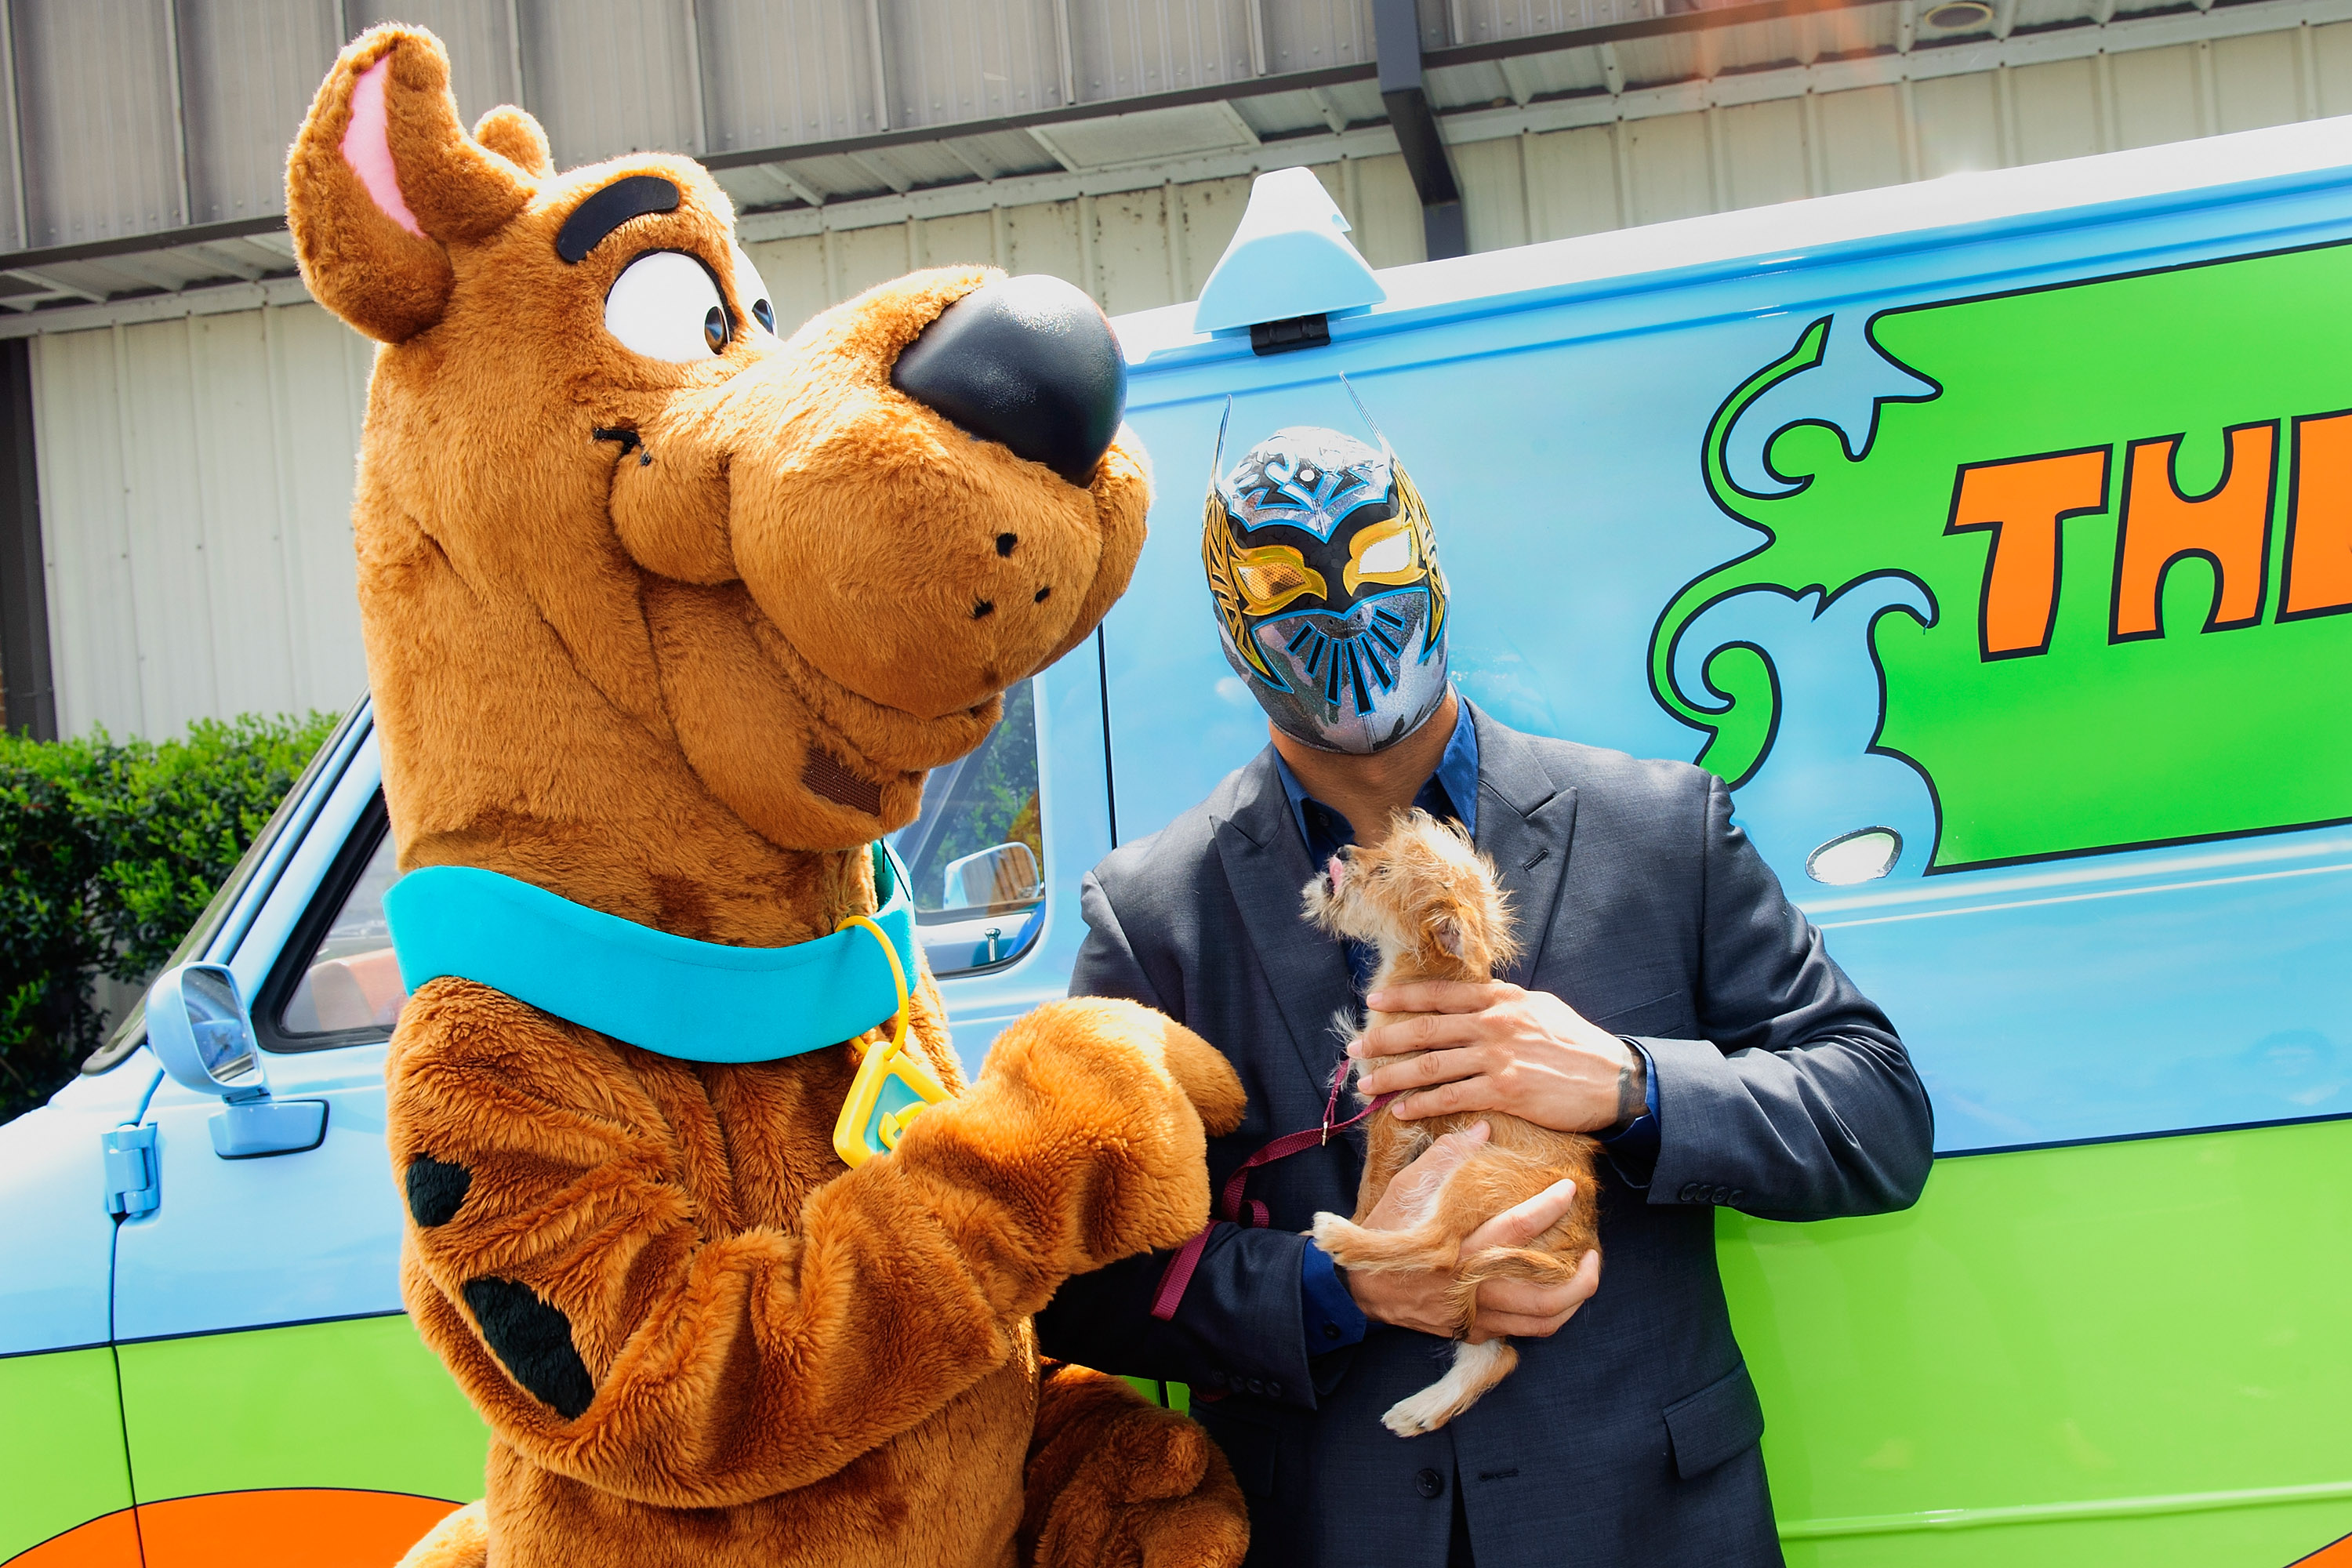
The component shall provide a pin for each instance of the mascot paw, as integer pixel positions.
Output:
(1200, 1071)
(460, 1541)
(1114, 1482)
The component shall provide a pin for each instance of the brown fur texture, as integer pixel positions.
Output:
(685, 678)
(1434, 909)
(460, 1541)
(1119, 1484)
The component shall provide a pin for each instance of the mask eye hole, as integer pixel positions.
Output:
(1383, 552)
(663, 306)
(1273, 576)
(1394, 553)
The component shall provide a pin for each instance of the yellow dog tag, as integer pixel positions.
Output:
(891, 1089)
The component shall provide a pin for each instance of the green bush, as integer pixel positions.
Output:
(109, 852)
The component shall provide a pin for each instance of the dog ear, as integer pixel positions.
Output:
(382, 179)
(1452, 935)
(514, 135)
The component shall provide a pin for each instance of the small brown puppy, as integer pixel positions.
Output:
(1431, 904)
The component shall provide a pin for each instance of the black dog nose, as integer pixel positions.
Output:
(1028, 361)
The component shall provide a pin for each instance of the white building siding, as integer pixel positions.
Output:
(196, 473)
(196, 497)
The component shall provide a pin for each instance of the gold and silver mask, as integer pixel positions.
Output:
(1329, 601)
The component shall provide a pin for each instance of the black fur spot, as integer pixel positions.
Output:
(534, 1340)
(436, 1189)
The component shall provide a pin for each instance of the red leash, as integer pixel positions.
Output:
(1231, 1202)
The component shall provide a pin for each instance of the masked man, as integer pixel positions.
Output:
(1671, 1002)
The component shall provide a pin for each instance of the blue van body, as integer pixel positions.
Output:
(1554, 404)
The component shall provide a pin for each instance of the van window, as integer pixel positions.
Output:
(347, 988)
(976, 855)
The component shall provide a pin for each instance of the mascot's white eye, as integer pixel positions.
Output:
(1394, 553)
(665, 306)
(750, 289)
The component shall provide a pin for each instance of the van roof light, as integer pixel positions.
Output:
(1289, 258)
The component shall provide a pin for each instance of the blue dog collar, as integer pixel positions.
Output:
(699, 1001)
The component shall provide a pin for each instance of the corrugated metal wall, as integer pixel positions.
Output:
(1144, 248)
(141, 116)
(196, 474)
(196, 504)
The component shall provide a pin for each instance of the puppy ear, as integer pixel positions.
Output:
(1452, 935)
(514, 135)
(382, 178)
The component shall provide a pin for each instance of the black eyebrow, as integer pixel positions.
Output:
(611, 207)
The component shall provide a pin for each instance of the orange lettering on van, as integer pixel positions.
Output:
(2229, 526)
(2319, 519)
(2023, 500)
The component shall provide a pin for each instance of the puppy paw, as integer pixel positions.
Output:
(1337, 1237)
(1424, 1412)
(1476, 1368)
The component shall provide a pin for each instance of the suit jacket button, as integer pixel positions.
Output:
(1737, 1193)
(1274, 1390)
(1217, 1377)
(1690, 1192)
(1255, 1386)
(1429, 1483)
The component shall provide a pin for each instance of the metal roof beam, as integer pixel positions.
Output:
(1396, 31)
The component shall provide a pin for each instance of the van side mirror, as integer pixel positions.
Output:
(199, 1030)
(1001, 875)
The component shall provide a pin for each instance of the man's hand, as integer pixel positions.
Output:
(1416, 1298)
(1495, 1047)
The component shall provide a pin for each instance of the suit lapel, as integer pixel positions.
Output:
(1266, 865)
(1526, 819)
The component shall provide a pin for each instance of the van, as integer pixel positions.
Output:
(1991, 536)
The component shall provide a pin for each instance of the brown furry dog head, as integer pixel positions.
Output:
(641, 582)
(1423, 895)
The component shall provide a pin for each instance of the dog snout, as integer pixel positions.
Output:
(1029, 363)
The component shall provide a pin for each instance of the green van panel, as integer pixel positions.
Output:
(359, 1403)
(60, 1445)
(2116, 1352)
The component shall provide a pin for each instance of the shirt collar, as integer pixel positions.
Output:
(1451, 791)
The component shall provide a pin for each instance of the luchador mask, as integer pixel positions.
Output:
(1329, 602)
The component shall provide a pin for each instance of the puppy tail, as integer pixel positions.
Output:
(1518, 1263)
(1476, 1368)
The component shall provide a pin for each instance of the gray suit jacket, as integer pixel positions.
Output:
(1629, 1438)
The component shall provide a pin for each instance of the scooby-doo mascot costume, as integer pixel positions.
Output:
(665, 619)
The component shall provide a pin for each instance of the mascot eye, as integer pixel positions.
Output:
(665, 306)
(748, 286)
